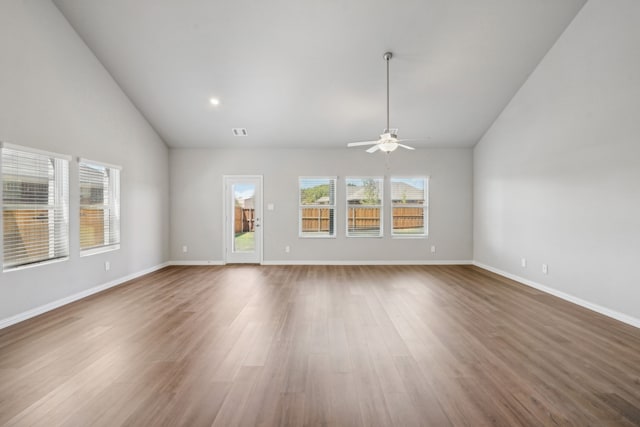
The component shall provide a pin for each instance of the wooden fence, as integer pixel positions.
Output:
(27, 229)
(318, 219)
(408, 217)
(91, 228)
(244, 220)
(363, 218)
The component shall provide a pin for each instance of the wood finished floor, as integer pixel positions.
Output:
(320, 345)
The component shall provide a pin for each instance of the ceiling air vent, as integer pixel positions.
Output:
(239, 132)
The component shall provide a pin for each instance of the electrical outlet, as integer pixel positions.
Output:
(107, 266)
(523, 262)
(287, 249)
(185, 249)
(545, 268)
(433, 249)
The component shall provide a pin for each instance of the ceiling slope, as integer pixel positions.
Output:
(311, 73)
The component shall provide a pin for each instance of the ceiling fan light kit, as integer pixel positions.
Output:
(388, 146)
(388, 141)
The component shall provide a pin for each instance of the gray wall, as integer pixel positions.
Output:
(557, 177)
(555, 180)
(56, 96)
(196, 202)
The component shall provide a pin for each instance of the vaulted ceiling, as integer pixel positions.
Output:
(310, 73)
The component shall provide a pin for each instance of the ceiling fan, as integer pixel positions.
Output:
(388, 141)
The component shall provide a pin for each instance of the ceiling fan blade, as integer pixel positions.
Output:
(413, 139)
(406, 146)
(373, 149)
(357, 144)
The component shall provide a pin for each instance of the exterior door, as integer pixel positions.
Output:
(243, 219)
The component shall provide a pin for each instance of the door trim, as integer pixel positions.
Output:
(225, 210)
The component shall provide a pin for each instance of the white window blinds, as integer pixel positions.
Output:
(35, 206)
(317, 206)
(364, 207)
(99, 207)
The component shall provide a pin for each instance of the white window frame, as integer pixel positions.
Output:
(424, 206)
(112, 206)
(58, 229)
(331, 206)
(380, 207)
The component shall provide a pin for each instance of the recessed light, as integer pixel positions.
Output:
(239, 131)
(214, 101)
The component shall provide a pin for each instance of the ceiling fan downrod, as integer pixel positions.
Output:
(388, 141)
(387, 56)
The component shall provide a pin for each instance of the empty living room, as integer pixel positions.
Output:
(320, 213)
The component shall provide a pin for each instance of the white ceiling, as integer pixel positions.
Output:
(301, 73)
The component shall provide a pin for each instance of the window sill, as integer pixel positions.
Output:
(102, 249)
(35, 264)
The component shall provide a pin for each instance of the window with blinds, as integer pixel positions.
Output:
(409, 199)
(99, 207)
(35, 206)
(364, 207)
(317, 206)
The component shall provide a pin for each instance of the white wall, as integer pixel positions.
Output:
(56, 96)
(196, 202)
(557, 177)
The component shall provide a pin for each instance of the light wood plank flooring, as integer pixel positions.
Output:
(320, 345)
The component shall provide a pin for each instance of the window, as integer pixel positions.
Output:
(409, 199)
(35, 206)
(99, 207)
(364, 207)
(317, 207)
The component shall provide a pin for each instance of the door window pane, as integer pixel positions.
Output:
(244, 218)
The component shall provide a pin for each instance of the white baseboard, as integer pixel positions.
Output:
(567, 297)
(75, 297)
(83, 294)
(368, 262)
(211, 262)
(335, 262)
